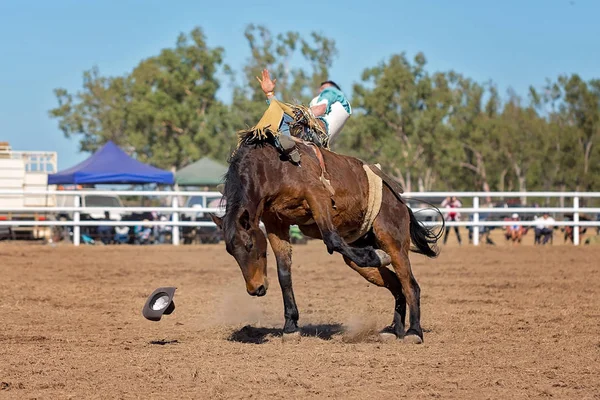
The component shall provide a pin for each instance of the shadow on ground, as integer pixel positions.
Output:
(257, 335)
(164, 342)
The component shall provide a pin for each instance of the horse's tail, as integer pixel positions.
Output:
(424, 238)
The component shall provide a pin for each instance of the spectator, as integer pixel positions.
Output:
(104, 231)
(543, 228)
(569, 230)
(143, 233)
(515, 232)
(163, 230)
(121, 234)
(452, 204)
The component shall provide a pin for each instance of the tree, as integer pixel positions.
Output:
(429, 129)
(580, 108)
(400, 120)
(165, 110)
(476, 130)
(522, 141)
(99, 113)
(572, 109)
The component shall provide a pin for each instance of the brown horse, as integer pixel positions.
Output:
(259, 185)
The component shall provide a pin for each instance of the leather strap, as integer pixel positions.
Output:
(324, 180)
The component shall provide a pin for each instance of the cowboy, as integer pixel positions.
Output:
(330, 106)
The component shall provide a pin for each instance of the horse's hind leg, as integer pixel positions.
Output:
(383, 277)
(392, 231)
(363, 257)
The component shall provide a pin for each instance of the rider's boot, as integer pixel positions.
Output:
(289, 147)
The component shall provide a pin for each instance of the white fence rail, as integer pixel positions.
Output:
(175, 210)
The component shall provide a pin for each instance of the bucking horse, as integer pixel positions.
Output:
(355, 208)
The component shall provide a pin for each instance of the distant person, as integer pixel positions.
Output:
(105, 231)
(569, 231)
(163, 230)
(515, 232)
(143, 233)
(452, 204)
(543, 228)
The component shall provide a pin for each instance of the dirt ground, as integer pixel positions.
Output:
(500, 322)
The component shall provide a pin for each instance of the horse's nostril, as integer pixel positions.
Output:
(261, 291)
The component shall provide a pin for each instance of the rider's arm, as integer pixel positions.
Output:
(323, 103)
(319, 109)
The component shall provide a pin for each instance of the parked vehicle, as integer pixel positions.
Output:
(202, 234)
(91, 199)
(25, 170)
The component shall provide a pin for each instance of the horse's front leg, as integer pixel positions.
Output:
(279, 237)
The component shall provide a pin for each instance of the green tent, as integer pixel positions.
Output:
(204, 172)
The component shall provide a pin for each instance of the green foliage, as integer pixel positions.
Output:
(165, 111)
(431, 130)
(442, 131)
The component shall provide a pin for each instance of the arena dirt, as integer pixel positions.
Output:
(500, 322)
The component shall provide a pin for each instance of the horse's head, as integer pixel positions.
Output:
(247, 243)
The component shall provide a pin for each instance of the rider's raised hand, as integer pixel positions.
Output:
(267, 85)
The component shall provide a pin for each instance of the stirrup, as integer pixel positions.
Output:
(287, 146)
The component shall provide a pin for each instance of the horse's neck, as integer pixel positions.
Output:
(253, 199)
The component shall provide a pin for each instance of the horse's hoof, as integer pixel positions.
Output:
(384, 258)
(412, 339)
(389, 333)
(293, 337)
(387, 337)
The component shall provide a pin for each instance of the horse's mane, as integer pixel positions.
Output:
(261, 135)
(233, 192)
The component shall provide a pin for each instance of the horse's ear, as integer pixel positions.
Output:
(217, 220)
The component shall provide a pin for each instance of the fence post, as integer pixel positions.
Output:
(76, 219)
(475, 221)
(576, 221)
(175, 205)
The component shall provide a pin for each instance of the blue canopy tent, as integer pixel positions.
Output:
(111, 165)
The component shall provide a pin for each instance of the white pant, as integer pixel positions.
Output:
(336, 119)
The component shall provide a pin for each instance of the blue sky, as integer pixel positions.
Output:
(49, 43)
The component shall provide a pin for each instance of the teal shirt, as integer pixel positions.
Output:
(332, 95)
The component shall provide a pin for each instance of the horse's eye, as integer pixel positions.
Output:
(249, 246)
